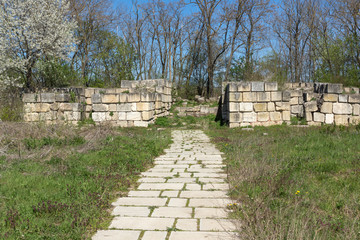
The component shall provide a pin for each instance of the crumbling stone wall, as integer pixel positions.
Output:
(262, 103)
(136, 103)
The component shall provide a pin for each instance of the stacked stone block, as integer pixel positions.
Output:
(131, 105)
(259, 103)
(197, 111)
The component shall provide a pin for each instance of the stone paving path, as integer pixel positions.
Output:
(182, 197)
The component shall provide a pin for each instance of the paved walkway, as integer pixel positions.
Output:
(183, 197)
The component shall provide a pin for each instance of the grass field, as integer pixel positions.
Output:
(294, 183)
(58, 182)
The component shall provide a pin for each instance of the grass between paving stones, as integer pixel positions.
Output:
(69, 198)
(294, 183)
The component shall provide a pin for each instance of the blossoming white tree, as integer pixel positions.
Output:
(30, 29)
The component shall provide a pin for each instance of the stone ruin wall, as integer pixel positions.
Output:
(263, 104)
(136, 103)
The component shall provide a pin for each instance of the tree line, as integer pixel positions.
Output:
(197, 44)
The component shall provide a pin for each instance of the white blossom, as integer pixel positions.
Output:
(30, 29)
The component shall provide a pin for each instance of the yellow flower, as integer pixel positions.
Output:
(297, 192)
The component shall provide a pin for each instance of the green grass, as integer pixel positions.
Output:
(294, 183)
(69, 198)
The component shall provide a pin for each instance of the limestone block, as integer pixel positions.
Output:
(232, 87)
(297, 109)
(100, 107)
(233, 107)
(341, 119)
(347, 89)
(275, 116)
(123, 97)
(144, 106)
(244, 87)
(89, 92)
(88, 101)
(88, 108)
(276, 96)
(65, 107)
(354, 98)
(263, 96)
(113, 107)
(76, 107)
(319, 117)
(31, 117)
(235, 97)
(147, 97)
(42, 107)
(294, 101)
(30, 98)
(124, 107)
(354, 120)
(158, 105)
(110, 98)
(134, 97)
(331, 97)
(167, 90)
(327, 107)
(343, 98)
(159, 89)
(257, 86)
(147, 115)
(271, 86)
(271, 106)
(28, 107)
(329, 118)
(96, 98)
(234, 125)
(165, 98)
(62, 97)
(76, 116)
(356, 109)
(286, 115)
(286, 96)
(249, 96)
(308, 116)
(282, 106)
(355, 90)
(334, 88)
(311, 106)
(260, 107)
(263, 116)
(133, 116)
(54, 106)
(99, 116)
(235, 117)
(296, 93)
(245, 107)
(141, 124)
(342, 108)
(311, 96)
(47, 97)
(112, 116)
(249, 117)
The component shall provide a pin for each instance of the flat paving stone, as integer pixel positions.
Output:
(131, 211)
(215, 202)
(216, 186)
(177, 202)
(210, 213)
(169, 193)
(187, 224)
(203, 236)
(217, 225)
(144, 193)
(116, 235)
(175, 212)
(151, 180)
(202, 194)
(134, 201)
(154, 235)
(161, 186)
(142, 223)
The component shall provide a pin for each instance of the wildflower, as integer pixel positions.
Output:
(297, 192)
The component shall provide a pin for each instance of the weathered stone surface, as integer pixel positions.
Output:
(125, 107)
(144, 106)
(286, 116)
(311, 106)
(263, 96)
(134, 97)
(297, 109)
(235, 97)
(235, 117)
(354, 98)
(286, 96)
(149, 97)
(100, 107)
(319, 117)
(331, 97)
(341, 119)
(275, 116)
(142, 223)
(354, 120)
(343, 98)
(356, 109)
(233, 87)
(296, 93)
(276, 96)
(342, 108)
(327, 107)
(110, 98)
(244, 87)
(62, 97)
(154, 235)
(329, 118)
(257, 86)
(96, 98)
(233, 107)
(217, 225)
(30, 98)
(263, 116)
(282, 106)
(99, 116)
(271, 106)
(259, 107)
(122, 116)
(245, 107)
(123, 97)
(271, 86)
(335, 88)
(133, 116)
(88, 101)
(249, 117)
(116, 235)
(308, 116)
(294, 101)
(89, 92)
(47, 97)
(249, 96)
(147, 115)
(172, 212)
